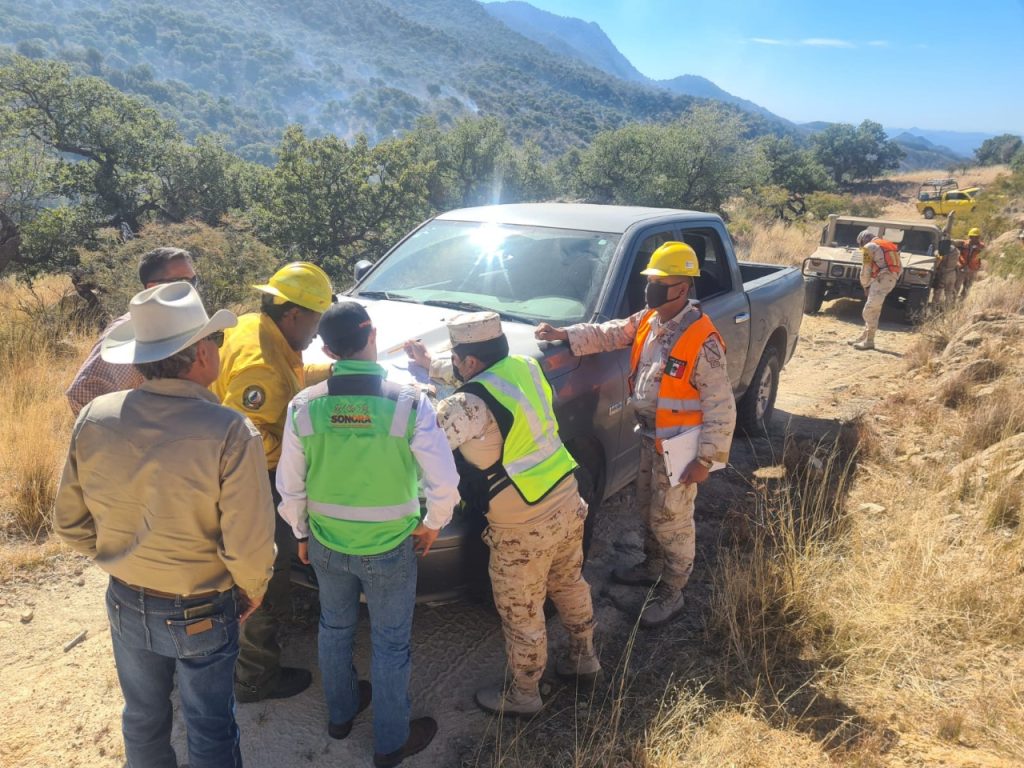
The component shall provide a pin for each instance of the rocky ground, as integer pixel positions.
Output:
(59, 698)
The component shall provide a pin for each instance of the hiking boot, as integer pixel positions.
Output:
(291, 682)
(341, 730)
(862, 345)
(586, 670)
(666, 604)
(643, 574)
(421, 732)
(498, 701)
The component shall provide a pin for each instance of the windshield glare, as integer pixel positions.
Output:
(534, 272)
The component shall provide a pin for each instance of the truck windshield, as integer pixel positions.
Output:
(529, 273)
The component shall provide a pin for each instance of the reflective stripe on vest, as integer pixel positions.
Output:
(533, 455)
(364, 514)
(323, 492)
(678, 405)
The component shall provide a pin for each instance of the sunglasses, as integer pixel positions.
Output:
(217, 337)
(193, 281)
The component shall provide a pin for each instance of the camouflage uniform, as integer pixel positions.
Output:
(945, 277)
(667, 512)
(878, 287)
(536, 550)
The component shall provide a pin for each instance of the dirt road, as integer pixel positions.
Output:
(61, 708)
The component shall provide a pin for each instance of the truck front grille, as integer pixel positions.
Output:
(844, 272)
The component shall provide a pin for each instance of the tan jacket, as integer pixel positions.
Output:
(168, 490)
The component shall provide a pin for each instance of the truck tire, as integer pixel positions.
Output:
(928, 213)
(590, 478)
(814, 295)
(914, 306)
(755, 408)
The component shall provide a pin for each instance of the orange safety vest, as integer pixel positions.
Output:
(678, 399)
(891, 253)
(970, 256)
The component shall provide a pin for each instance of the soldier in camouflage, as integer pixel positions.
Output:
(656, 335)
(536, 548)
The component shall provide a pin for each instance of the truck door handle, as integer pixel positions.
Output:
(742, 317)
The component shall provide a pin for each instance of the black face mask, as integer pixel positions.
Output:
(657, 294)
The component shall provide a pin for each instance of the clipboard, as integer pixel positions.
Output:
(680, 450)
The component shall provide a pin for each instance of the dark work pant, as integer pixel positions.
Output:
(259, 657)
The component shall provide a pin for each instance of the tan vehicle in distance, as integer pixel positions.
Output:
(833, 270)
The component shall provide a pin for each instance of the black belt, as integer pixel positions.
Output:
(166, 595)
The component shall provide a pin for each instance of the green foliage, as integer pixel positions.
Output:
(228, 260)
(698, 162)
(331, 202)
(792, 168)
(998, 150)
(821, 204)
(110, 144)
(850, 153)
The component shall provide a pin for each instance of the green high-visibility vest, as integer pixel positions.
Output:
(361, 478)
(533, 458)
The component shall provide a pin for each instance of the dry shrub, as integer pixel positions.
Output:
(777, 243)
(765, 609)
(993, 419)
(40, 348)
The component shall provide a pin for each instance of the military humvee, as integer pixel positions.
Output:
(833, 270)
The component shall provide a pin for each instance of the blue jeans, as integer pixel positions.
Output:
(151, 643)
(389, 582)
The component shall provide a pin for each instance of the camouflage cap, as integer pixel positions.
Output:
(474, 327)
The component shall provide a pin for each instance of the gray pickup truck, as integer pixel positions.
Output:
(567, 263)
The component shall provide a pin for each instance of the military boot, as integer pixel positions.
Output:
(665, 605)
(643, 574)
(585, 670)
(499, 701)
(859, 339)
(868, 342)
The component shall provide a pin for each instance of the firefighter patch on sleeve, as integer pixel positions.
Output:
(253, 397)
(675, 367)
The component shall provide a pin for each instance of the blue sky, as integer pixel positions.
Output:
(930, 64)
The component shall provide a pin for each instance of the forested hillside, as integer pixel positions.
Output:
(249, 68)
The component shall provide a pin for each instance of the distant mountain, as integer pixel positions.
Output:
(919, 153)
(579, 39)
(247, 68)
(587, 42)
(960, 142)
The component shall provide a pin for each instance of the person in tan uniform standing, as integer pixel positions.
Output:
(878, 276)
(502, 421)
(678, 380)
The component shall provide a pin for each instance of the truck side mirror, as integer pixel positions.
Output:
(361, 268)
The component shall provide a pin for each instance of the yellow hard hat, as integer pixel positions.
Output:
(974, 232)
(300, 283)
(673, 258)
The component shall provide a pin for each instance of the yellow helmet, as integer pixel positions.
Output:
(300, 283)
(974, 232)
(673, 258)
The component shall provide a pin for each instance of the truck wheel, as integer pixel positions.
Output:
(914, 307)
(755, 408)
(928, 213)
(814, 295)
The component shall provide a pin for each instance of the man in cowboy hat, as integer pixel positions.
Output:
(168, 492)
(261, 369)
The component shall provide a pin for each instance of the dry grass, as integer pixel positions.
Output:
(40, 349)
(778, 243)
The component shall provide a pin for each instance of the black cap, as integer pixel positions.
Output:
(344, 325)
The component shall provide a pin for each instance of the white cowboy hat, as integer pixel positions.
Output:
(164, 320)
